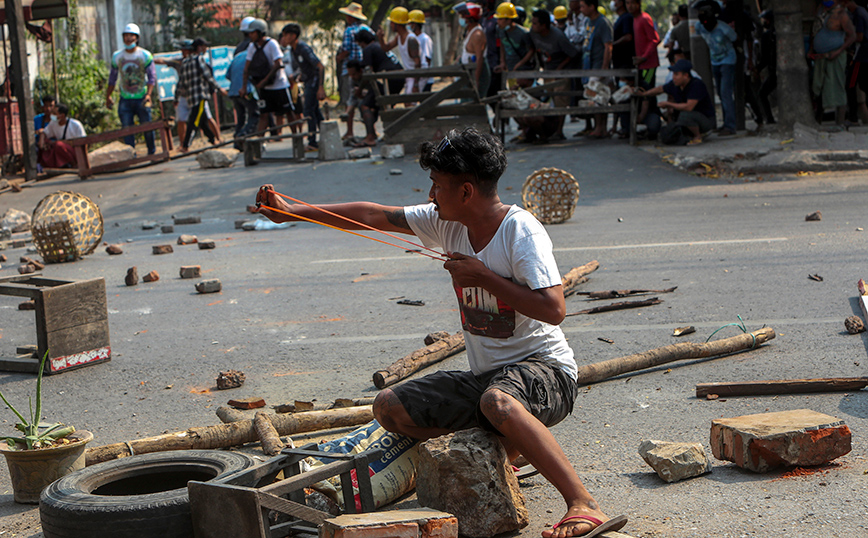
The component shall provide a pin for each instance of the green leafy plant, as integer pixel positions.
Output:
(36, 434)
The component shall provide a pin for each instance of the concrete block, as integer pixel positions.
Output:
(15, 220)
(187, 239)
(392, 151)
(162, 249)
(209, 286)
(788, 438)
(359, 153)
(167, 229)
(187, 220)
(113, 152)
(675, 461)
(217, 158)
(191, 271)
(419, 523)
(331, 148)
(207, 244)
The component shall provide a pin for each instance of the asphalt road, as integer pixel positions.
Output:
(310, 313)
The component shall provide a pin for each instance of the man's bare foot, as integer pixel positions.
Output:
(580, 521)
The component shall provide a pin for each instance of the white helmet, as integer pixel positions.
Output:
(245, 23)
(132, 28)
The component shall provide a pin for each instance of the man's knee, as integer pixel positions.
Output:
(388, 410)
(497, 406)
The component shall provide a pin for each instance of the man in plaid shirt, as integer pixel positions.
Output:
(196, 81)
(350, 50)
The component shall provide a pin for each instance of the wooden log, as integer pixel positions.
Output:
(594, 373)
(617, 306)
(428, 355)
(782, 386)
(271, 443)
(233, 434)
(614, 294)
(577, 275)
(228, 414)
(352, 402)
(300, 406)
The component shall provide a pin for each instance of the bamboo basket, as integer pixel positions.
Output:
(551, 195)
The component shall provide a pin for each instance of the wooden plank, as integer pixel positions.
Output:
(114, 135)
(310, 477)
(419, 97)
(19, 290)
(77, 303)
(124, 165)
(419, 110)
(26, 365)
(782, 386)
(300, 511)
(427, 72)
(76, 339)
(563, 111)
(463, 110)
(572, 73)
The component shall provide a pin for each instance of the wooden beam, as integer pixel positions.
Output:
(425, 106)
(21, 84)
(572, 73)
(782, 386)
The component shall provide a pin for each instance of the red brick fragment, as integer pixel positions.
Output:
(153, 276)
(247, 403)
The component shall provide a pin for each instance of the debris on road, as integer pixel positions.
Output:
(578, 275)
(114, 250)
(607, 340)
(228, 414)
(247, 403)
(675, 461)
(26, 269)
(421, 358)
(614, 294)
(430, 338)
(149, 225)
(187, 239)
(162, 249)
(268, 436)
(301, 407)
(209, 286)
(217, 158)
(230, 379)
(782, 386)
(37, 265)
(27, 305)
(186, 220)
(416, 522)
(15, 220)
(132, 277)
(681, 331)
(167, 229)
(153, 276)
(788, 438)
(206, 244)
(815, 216)
(191, 271)
(815, 277)
(395, 172)
(411, 302)
(617, 306)
(863, 297)
(854, 325)
(392, 151)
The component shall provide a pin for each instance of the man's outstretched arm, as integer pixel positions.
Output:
(382, 217)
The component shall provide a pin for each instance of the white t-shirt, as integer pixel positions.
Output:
(494, 333)
(56, 131)
(426, 50)
(273, 53)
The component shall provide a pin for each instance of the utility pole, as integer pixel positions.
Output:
(21, 82)
(794, 95)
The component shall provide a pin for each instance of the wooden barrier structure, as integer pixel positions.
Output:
(79, 145)
(430, 119)
(502, 114)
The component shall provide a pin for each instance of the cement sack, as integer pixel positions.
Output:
(598, 92)
(393, 475)
(518, 100)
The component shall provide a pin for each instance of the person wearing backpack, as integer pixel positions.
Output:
(264, 69)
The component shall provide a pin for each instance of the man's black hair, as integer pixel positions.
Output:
(544, 17)
(47, 99)
(292, 28)
(62, 109)
(481, 156)
(592, 3)
(354, 64)
(683, 11)
(364, 37)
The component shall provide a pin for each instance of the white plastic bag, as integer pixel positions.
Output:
(597, 92)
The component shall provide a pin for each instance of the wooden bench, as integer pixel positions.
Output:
(79, 145)
(253, 148)
(502, 114)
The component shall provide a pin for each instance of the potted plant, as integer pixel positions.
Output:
(42, 452)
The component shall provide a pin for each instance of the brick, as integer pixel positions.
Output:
(206, 244)
(247, 403)
(162, 249)
(153, 276)
(167, 229)
(419, 523)
(187, 220)
(191, 271)
(209, 286)
(187, 239)
(767, 440)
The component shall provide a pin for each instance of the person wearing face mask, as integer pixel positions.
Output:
(132, 69)
(53, 151)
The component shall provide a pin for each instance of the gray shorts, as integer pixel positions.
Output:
(450, 400)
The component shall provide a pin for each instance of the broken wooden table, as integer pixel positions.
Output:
(239, 505)
(79, 145)
(71, 323)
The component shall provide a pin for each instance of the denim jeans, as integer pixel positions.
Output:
(724, 79)
(311, 110)
(128, 109)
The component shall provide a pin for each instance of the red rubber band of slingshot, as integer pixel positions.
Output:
(357, 223)
(354, 233)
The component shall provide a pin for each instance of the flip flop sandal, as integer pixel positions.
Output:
(615, 524)
(525, 471)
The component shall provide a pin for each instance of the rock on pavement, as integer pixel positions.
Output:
(217, 158)
(675, 461)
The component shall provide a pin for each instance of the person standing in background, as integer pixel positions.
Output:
(133, 68)
(646, 40)
(426, 48)
(350, 50)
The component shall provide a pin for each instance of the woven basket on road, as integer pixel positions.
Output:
(84, 227)
(550, 195)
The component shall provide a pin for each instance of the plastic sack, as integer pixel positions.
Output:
(518, 99)
(623, 94)
(598, 92)
(392, 476)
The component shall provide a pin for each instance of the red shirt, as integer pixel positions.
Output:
(646, 39)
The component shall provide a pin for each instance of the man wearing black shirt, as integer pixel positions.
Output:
(689, 97)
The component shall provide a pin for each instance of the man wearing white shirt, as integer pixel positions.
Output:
(264, 68)
(53, 151)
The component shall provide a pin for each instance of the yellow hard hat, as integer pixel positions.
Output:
(417, 16)
(506, 10)
(560, 12)
(601, 10)
(399, 15)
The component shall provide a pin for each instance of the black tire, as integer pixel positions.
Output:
(141, 496)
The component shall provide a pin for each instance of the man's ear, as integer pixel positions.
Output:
(468, 190)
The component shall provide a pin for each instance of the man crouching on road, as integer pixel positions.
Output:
(522, 377)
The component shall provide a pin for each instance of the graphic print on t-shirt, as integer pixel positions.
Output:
(484, 314)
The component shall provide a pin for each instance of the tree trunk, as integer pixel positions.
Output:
(232, 434)
(421, 358)
(594, 373)
(794, 94)
(271, 443)
(577, 275)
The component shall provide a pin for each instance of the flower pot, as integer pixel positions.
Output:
(33, 470)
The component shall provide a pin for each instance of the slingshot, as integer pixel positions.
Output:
(439, 256)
